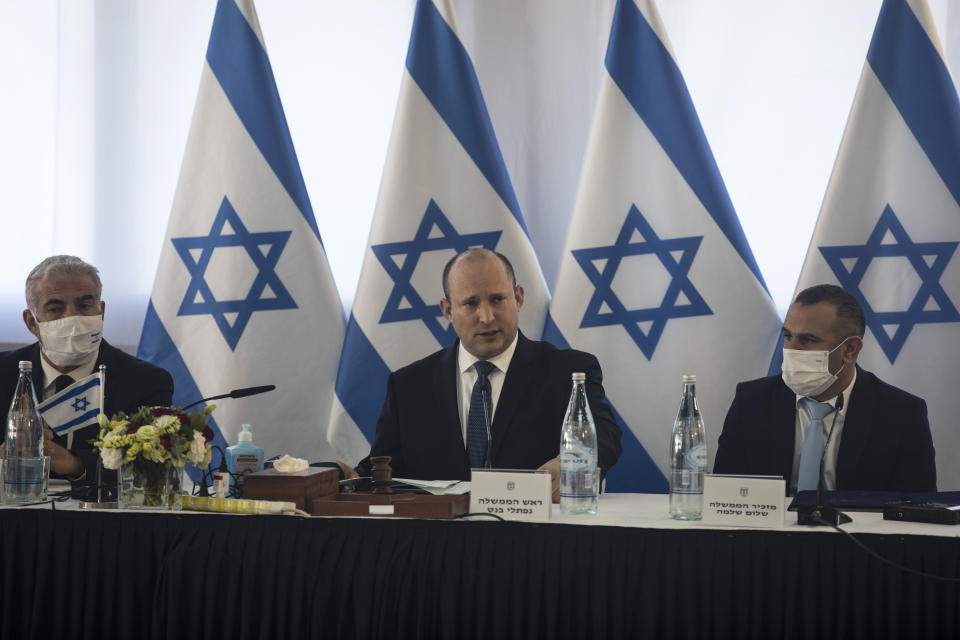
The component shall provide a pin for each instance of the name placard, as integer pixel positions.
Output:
(512, 495)
(744, 501)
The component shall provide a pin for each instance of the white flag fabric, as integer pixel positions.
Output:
(444, 189)
(244, 295)
(74, 407)
(657, 279)
(890, 222)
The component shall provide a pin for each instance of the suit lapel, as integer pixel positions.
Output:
(514, 389)
(37, 373)
(784, 412)
(445, 392)
(856, 424)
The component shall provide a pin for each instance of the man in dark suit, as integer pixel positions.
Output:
(423, 423)
(872, 436)
(65, 313)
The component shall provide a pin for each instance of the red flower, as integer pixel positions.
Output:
(182, 417)
(165, 441)
(161, 411)
(207, 433)
(132, 429)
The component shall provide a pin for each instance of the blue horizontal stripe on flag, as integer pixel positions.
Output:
(635, 471)
(79, 421)
(361, 379)
(917, 81)
(242, 68)
(441, 67)
(157, 347)
(646, 73)
(81, 390)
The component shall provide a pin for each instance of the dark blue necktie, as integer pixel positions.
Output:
(477, 417)
(62, 382)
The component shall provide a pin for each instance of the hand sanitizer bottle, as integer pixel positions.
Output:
(244, 457)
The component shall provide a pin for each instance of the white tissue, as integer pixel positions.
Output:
(289, 464)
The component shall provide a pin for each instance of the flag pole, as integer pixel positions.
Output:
(103, 384)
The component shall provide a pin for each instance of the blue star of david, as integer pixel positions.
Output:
(680, 283)
(80, 404)
(916, 253)
(264, 250)
(403, 289)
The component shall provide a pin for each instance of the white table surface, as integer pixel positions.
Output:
(650, 511)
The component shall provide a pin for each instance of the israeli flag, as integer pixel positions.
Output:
(890, 223)
(243, 294)
(445, 188)
(657, 279)
(74, 407)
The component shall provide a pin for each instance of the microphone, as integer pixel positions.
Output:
(821, 514)
(248, 391)
(484, 397)
(236, 393)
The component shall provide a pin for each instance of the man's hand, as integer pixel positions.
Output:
(61, 461)
(553, 467)
(347, 470)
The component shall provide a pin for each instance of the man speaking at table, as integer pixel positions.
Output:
(65, 313)
(432, 422)
(872, 436)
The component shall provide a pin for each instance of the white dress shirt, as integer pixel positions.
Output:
(467, 377)
(832, 430)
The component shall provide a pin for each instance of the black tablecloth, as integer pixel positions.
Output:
(127, 575)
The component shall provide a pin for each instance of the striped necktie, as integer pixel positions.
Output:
(478, 418)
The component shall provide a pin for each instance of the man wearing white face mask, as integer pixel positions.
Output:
(872, 436)
(65, 313)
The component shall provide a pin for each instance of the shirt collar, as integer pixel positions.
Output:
(846, 395)
(465, 359)
(50, 374)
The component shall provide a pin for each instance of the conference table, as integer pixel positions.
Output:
(629, 572)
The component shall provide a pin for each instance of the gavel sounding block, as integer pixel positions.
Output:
(301, 487)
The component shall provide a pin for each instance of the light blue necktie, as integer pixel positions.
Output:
(812, 444)
(478, 416)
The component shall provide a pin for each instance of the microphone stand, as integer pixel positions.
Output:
(102, 499)
(820, 514)
(484, 394)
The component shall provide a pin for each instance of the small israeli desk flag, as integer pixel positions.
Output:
(74, 407)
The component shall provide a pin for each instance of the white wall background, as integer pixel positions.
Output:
(98, 96)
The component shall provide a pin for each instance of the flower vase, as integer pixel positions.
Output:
(149, 485)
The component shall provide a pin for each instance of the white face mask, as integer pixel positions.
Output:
(71, 341)
(807, 373)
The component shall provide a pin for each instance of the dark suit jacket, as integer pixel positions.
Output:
(419, 425)
(885, 444)
(131, 384)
